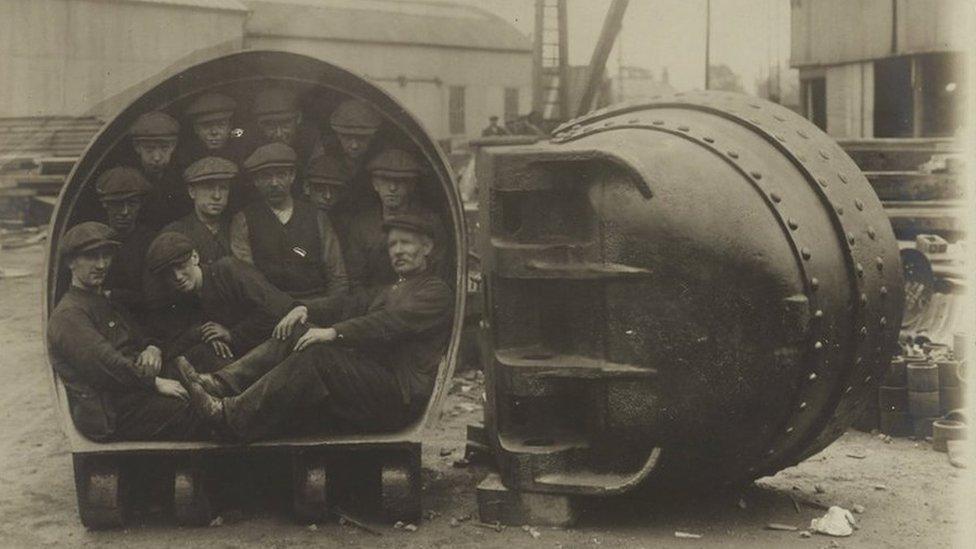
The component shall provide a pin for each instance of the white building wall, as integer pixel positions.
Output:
(67, 57)
(484, 74)
(850, 100)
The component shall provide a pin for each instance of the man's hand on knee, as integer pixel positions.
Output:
(171, 388)
(315, 335)
(295, 317)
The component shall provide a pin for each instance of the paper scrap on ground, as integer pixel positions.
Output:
(837, 522)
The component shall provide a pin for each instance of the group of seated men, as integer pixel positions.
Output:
(286, 287)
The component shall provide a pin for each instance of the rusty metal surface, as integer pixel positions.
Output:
(763, 287)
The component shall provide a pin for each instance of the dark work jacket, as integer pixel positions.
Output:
(236, 296)
(127, 277)
(211, 246)
(358, 194)
(288, 254)
(93, 344)
(405, 328)
(167, 201)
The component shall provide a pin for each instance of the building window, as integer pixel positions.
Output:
(455, 111)
(511, 103)
(814, 98)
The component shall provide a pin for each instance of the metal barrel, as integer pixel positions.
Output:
(700, 290)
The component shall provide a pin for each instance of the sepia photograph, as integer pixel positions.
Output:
(487, 273)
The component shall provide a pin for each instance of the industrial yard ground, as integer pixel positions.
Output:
(908, 491)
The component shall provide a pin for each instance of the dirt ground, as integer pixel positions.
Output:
(908, 491)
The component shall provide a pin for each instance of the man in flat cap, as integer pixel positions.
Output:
(236, 307)
(354, 127)
(366, 365)
(154, 138)
(209, 181)
(111, 372)
(291, 241)
(326, 181)
(493, 129)
(394, 175)
(278, 117)
(122, 191)
(211, 117)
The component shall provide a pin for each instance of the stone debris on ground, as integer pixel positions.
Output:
(398, 525)
(838, 522)
(313, 527)
(531, 531)
(686, 535)
(410, 527)
(880, 487)
(446, 451)
(217, 521)
(857, 508)
(805, 534)
(781, 527)
(819, 489)
(741, 503)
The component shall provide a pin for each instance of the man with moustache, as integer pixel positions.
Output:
(366, 365)
(111, 372)
(279, 120)
(394, 175)
(290, 241)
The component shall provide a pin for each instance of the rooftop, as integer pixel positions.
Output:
(419, 23)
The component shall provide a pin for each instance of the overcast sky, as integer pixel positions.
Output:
(747, 35)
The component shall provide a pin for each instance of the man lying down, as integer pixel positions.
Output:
(346, 363)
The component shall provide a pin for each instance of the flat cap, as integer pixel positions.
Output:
(394, 163)
(155, 124)
(356, 117)
(85, 237)
(273, 103)
(166, 249)
(408, 222)
(122, 182)
(211, 106)
(272, 155)
(327, 169)
(210, 168)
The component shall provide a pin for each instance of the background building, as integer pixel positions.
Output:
(882, 68)
(452, 66)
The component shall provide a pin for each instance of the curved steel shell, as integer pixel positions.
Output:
(242, 72)
(710, 293)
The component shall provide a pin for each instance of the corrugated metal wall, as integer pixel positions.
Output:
(850, 100)
(484, 74)
(65, 57)
(830, 32)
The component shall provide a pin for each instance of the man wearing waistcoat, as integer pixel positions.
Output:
(290, 241)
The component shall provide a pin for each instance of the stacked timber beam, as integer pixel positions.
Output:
(36, 154)
(917, 180)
